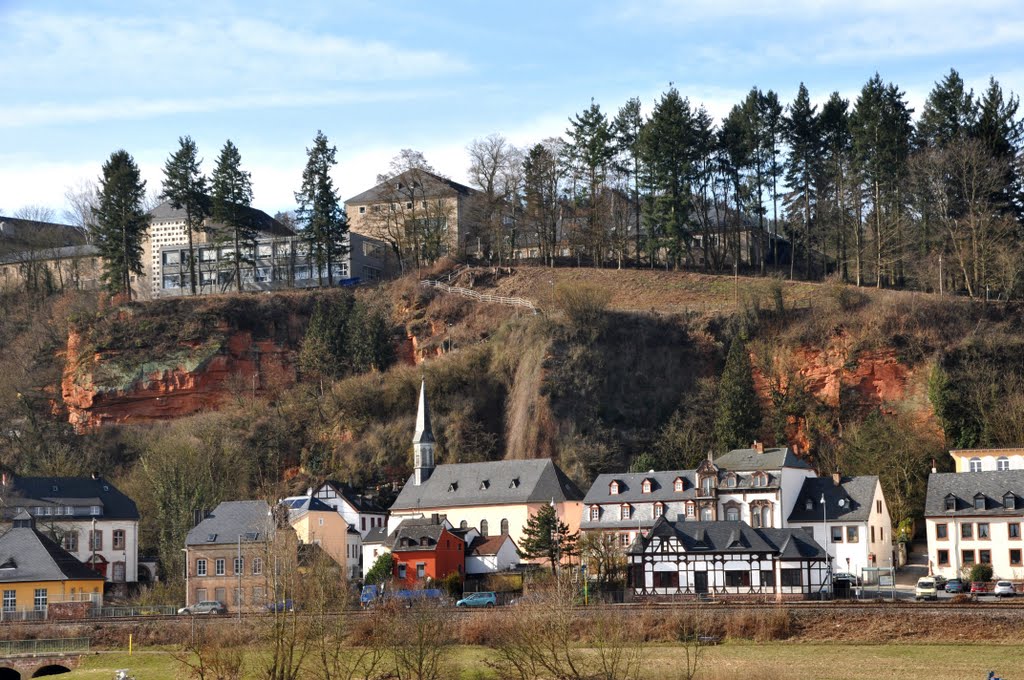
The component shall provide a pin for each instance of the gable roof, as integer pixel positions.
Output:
(28, 555)
(432, 185)
(488, 545)
(502, 482)
(415, 531)
(631, 487)
(376, 535)
(964, 486)
(730, 537)
(264, 223)
(18, 235)
(249, 519)
(300, 505)
(848, 502)
(71, 491)
(361, 503)
(750, 459)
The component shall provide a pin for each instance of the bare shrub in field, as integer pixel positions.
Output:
(760, 625)
(584, 305)
(418, 638)
(214, 653)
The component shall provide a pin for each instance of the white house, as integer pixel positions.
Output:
(360, 511)
(374, 544)
(490, 555)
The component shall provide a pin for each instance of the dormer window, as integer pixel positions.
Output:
(454, 486)
(1009, 501)
(730, 481)
(484, 485)
(613, 489)
(514, 484)
(950, 502)
(760, 479)
(707, 485)
(625, 511)
(646, 487)
(979, 502)
(809, 505)
(659, 510)
(595, 513)
(975, 465)
(1002, 463)
(677, 485)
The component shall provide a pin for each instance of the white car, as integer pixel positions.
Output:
(925, 589)
(1003, 589)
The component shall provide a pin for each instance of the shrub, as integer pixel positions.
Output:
(584, 306)
(981, 572)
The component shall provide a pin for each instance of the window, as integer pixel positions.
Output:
(362, 523)
(837, 534)
(421, 570)
(239, 564)
(872, 533)
(792, 578)
(985, 556)
(483, 527)
(1009, 501)
(666, 579)
(95, 510)
(878, 507)
(689, 510)
(1013, 530)
(767, 578)
(200, 567)
(943, 557)
(257, 566)
(401, 571)
(967, 556)
(979, 502)
(221, 566)
(950, 503)
(96, 539)
(677, 486)
(732, 514)
(1002, 463)
(646, 486)
(942, 531)
(624, 540)
(707, 484)
(624, 512)
(659, 510)
(809, 504)
(201, 595)
(119, 572)
(463, 524)
(983, 530)
(613, 489)
(118, 539)
(504, 527)
(362, 210)
(1014, 561)
(171, 282)
(975, 464)
(852, 534)
(39, 601)
(707, 515)
(737, 579)
(730, 481)
(70, 541)
(238, 595)
(11, 599)
(595, 513)
(966, 531)
(220, 594)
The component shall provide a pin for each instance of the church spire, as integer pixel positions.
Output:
(422, 441)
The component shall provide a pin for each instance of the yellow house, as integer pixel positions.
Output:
(987, 460)
(496, 497)
(35, 572)
(317, 523)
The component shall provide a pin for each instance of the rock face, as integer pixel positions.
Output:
(237, 362)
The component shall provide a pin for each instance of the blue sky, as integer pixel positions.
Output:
(82, 79)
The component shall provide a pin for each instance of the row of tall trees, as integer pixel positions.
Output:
(858, 189)
(218, 206)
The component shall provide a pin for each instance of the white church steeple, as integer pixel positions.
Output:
(423, 441)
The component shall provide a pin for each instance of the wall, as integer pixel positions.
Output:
(328, 529)
(129, 554)
(256, 588)
(57, 591)
(998, 544)
(447, 557)
(988, 457)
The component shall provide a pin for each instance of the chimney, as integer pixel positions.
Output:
(933, 468)
(758, 446)
(835, 478)
(435, 519)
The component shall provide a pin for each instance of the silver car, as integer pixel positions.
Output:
(1003, 589)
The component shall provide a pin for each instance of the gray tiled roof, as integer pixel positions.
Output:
(72, 491)
(376, 535)
(631, 487)
(415, 531)
(771, 459)
(28, 555)
(433, 186)
(263, 222)
(964, 486)
(731, 537)
(354, 498)
(250, 519)
(493, 483)
(18, 235)
(63, 253)
(856, 494)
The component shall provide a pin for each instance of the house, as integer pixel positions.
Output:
(227, 553)
(278, 258)
(426, 550)
(853, 524)
(36, 573)
(984, 460)
(416, 210)
(726, 558)
(38, 255)
(374, 544)
(316, 523)
(491, 554)
(359, 510)
(88, 516)
(758, 485)
(496, 498)
(975, 517)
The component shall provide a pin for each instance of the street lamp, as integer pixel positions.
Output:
(824, 523)
(238, 570)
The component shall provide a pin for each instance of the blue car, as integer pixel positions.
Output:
(284, 606)
(956, 585)
(485, 599)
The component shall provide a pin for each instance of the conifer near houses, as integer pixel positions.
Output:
(232, 195)
(120, 221)
(739, 411)
(185, 188)
(547, 537)
(321, 214)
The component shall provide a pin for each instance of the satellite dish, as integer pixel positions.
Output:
(842, 502)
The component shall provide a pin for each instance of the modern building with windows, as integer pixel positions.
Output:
(726, 559)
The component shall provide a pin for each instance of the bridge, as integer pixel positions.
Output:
(40, 658)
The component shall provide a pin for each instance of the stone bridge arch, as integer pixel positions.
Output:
(51, 669)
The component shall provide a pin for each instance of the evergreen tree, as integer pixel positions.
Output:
(185, 188)
(541, 179)
(545, 537)
(324, 225)
(948, 114)
(381, 571)
(589, 153)
(802, 168)
(773, 126)
(232, 195)
(734, 158)
(1001, 132)
(835, 181)
(626, 128)
(738, 416)
(120, 222)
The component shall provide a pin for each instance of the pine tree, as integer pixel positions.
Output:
(626, 128)
(773, 124)
(949, 113)
(185, 188)
(734, 159)
(541, 179)
(232, 195)
(548, 538)
(323, 220)
(120, 221)
(802, 168)
(589, 153)
(738, 416)
(835, 182)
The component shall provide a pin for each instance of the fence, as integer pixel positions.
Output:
(10, 648)
(117, 612)
(23, 615)
(482, 297)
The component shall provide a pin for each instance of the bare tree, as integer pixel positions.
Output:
(80, 199)
(419, 637)
(495, 168)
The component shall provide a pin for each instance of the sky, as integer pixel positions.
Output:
(82, 79)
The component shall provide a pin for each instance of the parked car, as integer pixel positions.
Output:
(940, 582)
(925, 589)
(845, 576)
(955, 585)
(484, 599)
(285, 606)
(1004, 589)
(979, 588)
(204, 607)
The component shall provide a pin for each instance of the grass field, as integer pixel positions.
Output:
(732, 660)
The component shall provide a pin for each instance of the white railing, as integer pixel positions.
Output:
(482, 297)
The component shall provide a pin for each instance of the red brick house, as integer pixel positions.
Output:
(425, 549)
